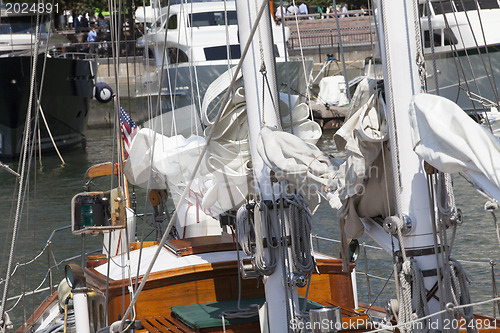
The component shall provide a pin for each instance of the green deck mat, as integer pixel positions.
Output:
(204, 315)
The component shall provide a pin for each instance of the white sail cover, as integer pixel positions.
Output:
(306, 168)
(448, 139)
(224, 178)
(220, 183)
(365, 186)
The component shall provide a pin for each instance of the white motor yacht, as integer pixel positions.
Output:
(466, 45)
(199, 47)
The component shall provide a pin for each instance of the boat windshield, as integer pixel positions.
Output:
(208, 19)
(21, 24)
(443, 7)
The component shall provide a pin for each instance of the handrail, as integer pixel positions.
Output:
(351, 13)
(48, 274)
(356, 36)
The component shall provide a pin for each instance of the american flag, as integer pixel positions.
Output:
(129, 129)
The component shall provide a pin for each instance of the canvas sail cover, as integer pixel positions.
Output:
(220, 183)
(224, 179)
(448, 139)
(359, 187)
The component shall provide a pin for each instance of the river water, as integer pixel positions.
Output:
(52, 186)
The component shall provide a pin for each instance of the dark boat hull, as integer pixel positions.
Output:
(65, 100)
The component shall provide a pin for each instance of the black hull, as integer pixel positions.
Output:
(65, 100)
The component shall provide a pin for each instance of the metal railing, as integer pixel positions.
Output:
(97, 50)
(330, 37)
(351, 13)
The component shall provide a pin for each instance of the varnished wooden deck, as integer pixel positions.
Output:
(163, 324)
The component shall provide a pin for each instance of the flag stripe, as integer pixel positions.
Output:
(128, 129)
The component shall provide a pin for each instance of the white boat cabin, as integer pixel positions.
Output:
(197, 32)
(458, 23)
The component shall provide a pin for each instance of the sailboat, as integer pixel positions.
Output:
(264, 276)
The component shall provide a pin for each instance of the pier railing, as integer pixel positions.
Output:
(309, 38)
(314, 32)
(330, 38)
(98, 50)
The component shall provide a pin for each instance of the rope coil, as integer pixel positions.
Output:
(254, 225)
(300, 221)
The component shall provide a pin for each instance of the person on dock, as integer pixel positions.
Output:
(92, 19)
(100, 21)
(303, 10)
(84, 23)
(320, 12)
(280, 12)
(344, 10)
(76, 22)
(329, 12)
(91, 39)
(292, 10)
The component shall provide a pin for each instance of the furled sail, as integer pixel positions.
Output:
(223, 182)
(449, 140)
(354, 186)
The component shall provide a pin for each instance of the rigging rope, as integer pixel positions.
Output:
(49, 132)
(419, 292)
(446, 201)
(8, 169)
(495, 292)
(492, 85)
(39, 98)
(341, 51)
(460, 292)
(195, 169)
(433, 53)
(300, 221)
(244, 226)
(449, 307)
(495, 90)
(27, 130)
(287, 66)
(459, 62)
(285, 254)
(262, 222)
(419, 59)
(303, 61)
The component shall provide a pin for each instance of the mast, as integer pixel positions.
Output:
(399, 38)
(262, 98)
